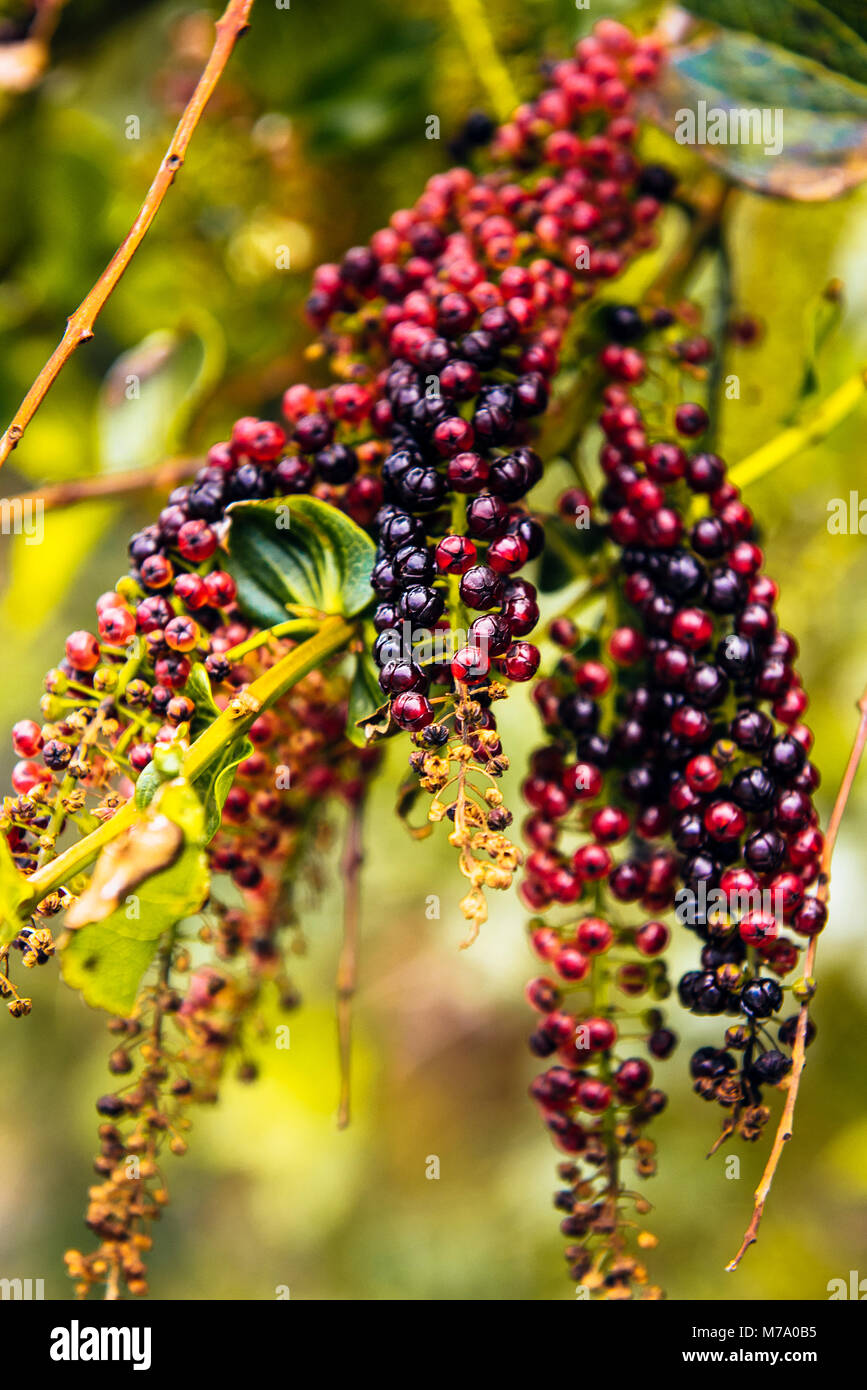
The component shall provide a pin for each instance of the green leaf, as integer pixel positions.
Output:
(831, 32)
(108, 952)
(147, 785)
(301, 553)
(215, 784)
(198, 688)
(13, 890)
(804, 131)
(107, 968)
(365, 698)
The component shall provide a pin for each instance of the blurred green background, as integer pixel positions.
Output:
(316, 133)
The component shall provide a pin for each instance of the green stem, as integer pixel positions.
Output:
(799, 437)
(471, 20)
(334, 634)
(293, 627)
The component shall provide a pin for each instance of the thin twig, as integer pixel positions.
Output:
(347, 968)
(79, 327)
(56, 496)
(786, 1125)
(472, 21)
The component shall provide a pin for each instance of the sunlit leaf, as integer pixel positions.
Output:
(144, 883)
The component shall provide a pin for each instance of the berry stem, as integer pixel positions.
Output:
(786, 1126)
(333, 635)
(792, 441)
(472, 21)
(347, 968)
(79, 326)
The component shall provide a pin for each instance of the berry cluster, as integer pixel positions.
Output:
(674, 730)
(685, 745)
(463, 302)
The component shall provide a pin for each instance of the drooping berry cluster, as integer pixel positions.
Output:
(676, 728)
(463, 301)
(684, 744)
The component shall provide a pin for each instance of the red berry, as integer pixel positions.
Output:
(593, 1095)
(190, 589)
(220, 588)
(411, 710)
(116, 625)
(626, 646)
(469, 662)
(261, 440)
(632, 1076)
(571, 964)
(652, 938)
(26, 738)
(82, 650)
(594, 935)
(455, 555)
(521, 661)
(26, 775)
(691, 419)
(592, 861)
(609, 825)
(196, 541)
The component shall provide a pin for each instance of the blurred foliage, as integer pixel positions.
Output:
(315, 134)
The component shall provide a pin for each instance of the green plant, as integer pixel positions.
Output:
(352, 574)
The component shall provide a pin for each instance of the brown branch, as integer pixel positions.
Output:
(79, 327)
(347, 968)
(786, 1125)
(58, 495)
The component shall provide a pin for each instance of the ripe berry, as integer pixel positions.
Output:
(481, 588)
(521, 661)
(691, 419)
(411, 711)
(455, 555)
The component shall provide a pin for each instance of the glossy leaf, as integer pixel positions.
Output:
(301, 553)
